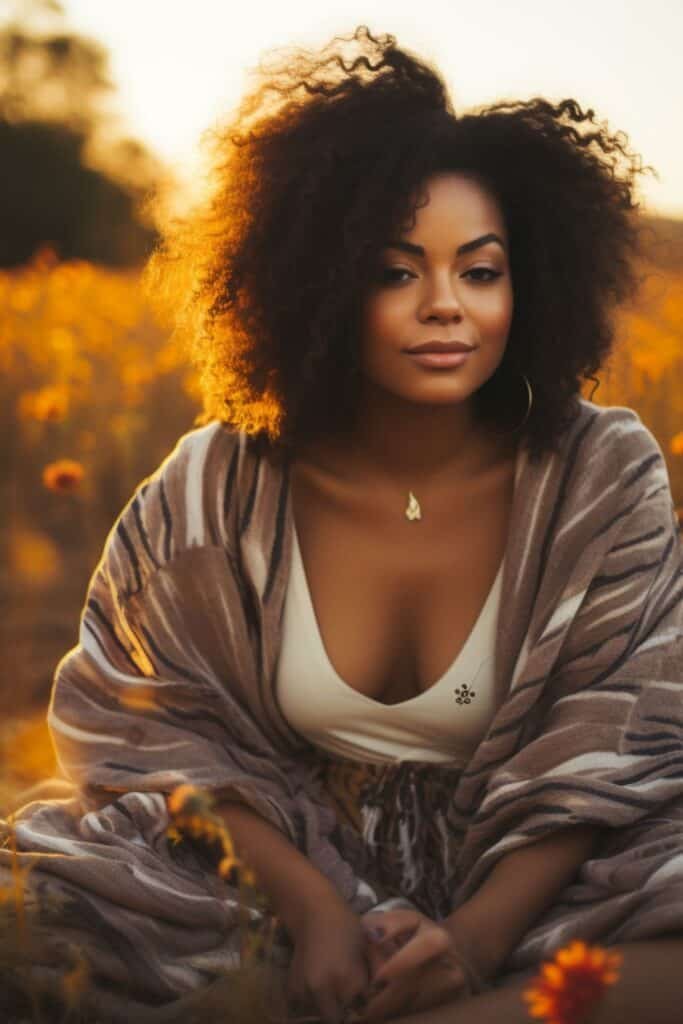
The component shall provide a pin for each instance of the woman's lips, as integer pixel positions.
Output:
(441, 359)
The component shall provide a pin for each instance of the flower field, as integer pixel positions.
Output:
(94, 394)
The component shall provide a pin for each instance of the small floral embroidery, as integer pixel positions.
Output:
(464, 694)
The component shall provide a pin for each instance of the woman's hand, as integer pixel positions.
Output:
(423, 970)
(332, 962)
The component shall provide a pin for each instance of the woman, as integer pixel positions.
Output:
(413, 618)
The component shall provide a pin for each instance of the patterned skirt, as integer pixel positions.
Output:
(403, 817)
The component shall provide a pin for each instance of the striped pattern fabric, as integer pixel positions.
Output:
(173, 681)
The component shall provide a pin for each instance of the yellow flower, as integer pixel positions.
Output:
(243, 874)
(63, 476)
(191, 814)
(174, 835)
(187, 799)
(226, 866)
(568, 987)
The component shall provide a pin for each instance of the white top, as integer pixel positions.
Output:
(445, 723)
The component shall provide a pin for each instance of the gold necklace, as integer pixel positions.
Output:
(413, 510)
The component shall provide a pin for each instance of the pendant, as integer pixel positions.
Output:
(413, 510)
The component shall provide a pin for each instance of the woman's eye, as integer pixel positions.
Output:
(397, 275)
(392, 275)
(483, 270)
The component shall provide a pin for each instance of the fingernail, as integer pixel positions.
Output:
(377, 932)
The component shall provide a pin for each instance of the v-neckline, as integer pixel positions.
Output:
(299, 571)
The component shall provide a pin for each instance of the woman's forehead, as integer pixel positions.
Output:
(456, 206)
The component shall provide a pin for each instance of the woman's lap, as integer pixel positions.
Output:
(156, 918)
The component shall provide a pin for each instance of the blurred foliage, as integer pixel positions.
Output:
(50, 74)
(645, 371)
(94, 394)
(50, 195)
(71, 176)
(92, 397)
(663, 238)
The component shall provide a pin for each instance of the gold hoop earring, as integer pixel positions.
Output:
(531, 399)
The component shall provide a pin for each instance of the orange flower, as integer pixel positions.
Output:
(676, 444)
(63, 476)
(34, 556)
(47, 405)
(568, 987)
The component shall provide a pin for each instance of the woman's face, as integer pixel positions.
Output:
(447, 279)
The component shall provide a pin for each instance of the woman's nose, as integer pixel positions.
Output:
(441, 300)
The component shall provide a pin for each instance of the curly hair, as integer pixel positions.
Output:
(309, 178)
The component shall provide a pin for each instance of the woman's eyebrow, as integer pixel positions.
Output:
(417, 250)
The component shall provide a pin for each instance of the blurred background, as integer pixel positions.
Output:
(104, 105)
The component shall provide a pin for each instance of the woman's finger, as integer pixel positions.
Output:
(438, 987)
(377, 953)
(420, 990)
(426, 944)
(329, 1005)
(388, 999)
(388, 924)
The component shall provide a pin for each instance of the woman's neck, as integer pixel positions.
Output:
(408, 445)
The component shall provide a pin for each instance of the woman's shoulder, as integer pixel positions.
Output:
(184, 505)
(614, 471)
(615, 438)
(196, 463)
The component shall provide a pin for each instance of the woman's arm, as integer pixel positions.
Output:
(522, 884)
(486, 928)
(649, 990)
(332, 963)
(292, 884)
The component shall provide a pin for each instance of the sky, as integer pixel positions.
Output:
(180, 65)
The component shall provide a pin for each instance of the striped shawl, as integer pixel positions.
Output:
(173, 681)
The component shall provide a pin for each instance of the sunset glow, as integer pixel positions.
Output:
(180, 67)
